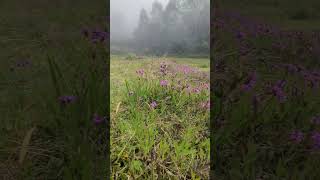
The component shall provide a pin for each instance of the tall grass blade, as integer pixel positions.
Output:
(118, 106)
(54, 77)
(25, 144)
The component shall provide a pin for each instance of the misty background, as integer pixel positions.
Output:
(160, 27)
(124, 16)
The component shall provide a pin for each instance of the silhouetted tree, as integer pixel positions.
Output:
(181, 27)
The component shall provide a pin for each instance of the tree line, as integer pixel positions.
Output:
(181, 27)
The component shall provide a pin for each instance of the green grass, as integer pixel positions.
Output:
(288, 15)
(253, 128)
(64, 142)
(168, 142)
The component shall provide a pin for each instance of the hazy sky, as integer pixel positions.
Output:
(130, 10)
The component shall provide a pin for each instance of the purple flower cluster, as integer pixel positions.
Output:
(296, 136)
(277, 90)
(315, 136)
(196, 90)
(240, 35)
(251, 26)
(163, 82)
(66, 99)
(251, 81)
(291, 68)
(176, 78)
(163, 68)
(140, 72)
(99, 36)
(312, 79)
(98, 119)
(245, 29)
(185, 69)
(95, 35)
(153, 104)
(286, 64)
(205, 105)
(205, 86)
(315, 120)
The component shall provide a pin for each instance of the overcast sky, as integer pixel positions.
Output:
(130, 10)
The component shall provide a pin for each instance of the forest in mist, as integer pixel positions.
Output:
(178, 27)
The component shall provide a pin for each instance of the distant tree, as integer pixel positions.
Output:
(156, 11)
(144, 18)
(181, 27)
(140, 33)
(172, 33)
(156, 27)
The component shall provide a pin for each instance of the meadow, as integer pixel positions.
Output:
(265, 92)
(159, 117)
(54, 102)
(53, 87)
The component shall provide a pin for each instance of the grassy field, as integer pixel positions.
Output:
(265, 91)
(157, 129)
(287, 14)
(51, 87)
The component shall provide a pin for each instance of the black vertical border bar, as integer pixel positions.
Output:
(211, 124)
(107, 60)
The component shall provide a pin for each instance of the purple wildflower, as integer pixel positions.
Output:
(196, 90)
(291, 68)
(280, 83)
(163, 82)
(66, 99)
(163, 68)
(311, 78)
(240, 35)
(205, 86)
(316, 140)
(315, 120)
(205, 105)
(296, 136)
(98, 119)
(153, 104)
(95, 36)
(279, 94)
(98, 35)
(185, 69)
(251, 81)
(277, 90)
(140, 72)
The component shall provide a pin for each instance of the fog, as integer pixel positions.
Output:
(161, 27)
(124, 16)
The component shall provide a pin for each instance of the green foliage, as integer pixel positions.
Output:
(168, 141)
(66, 144)
(252, 138)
